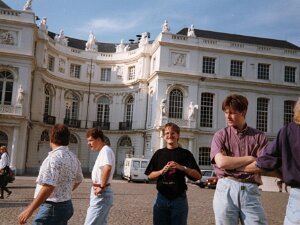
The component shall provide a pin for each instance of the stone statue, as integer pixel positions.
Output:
(191, 32)
(43, 24)
(120, 47)
(163, 105)
(144, 39)
(192, 109)
(20, 96)
(91, 43)
(61, 39)
(27, 5)
(165, 27)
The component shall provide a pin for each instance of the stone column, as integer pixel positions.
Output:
(13, 155)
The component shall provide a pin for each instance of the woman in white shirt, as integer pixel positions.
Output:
(4, 163)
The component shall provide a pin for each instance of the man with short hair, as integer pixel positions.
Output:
(237, 195)
(59, 174)
(101, 197)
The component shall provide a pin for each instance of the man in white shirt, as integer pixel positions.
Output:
(59, 174)
(101, 197)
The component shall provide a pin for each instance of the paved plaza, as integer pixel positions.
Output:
(133, 203)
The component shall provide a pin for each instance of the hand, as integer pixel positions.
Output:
(23, 217)
(98, 191)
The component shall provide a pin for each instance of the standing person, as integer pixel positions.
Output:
(237, 195)
(284, 154)
(169, 166)
(101, 197)
(4, 164)
(59, 174)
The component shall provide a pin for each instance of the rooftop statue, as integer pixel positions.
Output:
(165, 27)
(191, 32)
(43, 24)
(91, 43)
(61, 39)
(27, 5)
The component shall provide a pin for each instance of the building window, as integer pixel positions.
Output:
(103, 109)
(6, 87)
(208, 65)
(263, 71)
(129, 109)
(105, 74)
(72, 108)
(290, 74)
(204, 156)
(51, 61)
(3, 139)
(262, 114)
(75, 70)
(236, 68)
(288, 113)
(45, 136)
(206, 110)
(131, 73)
(176, 104)
(47, 109)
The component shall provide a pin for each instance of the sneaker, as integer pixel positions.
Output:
(8, 194)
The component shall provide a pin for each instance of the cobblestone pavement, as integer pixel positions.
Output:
(133, 203)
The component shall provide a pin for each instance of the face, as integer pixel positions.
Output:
(171, 137)
(235, 119)
(94, 144)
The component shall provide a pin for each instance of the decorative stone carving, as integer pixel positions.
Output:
(122, 47)
(163, 107)
(191, 31)
(179, 59)
(91, 43)
(20, 96)
(8, 37)
(192, 109)
(61, 39)
(165, 27)
(43, 25)
(144, 39)
(61, 65)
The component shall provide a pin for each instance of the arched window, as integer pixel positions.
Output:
(6, 87)
(176, 104)
(3, 139)
(125, 141)
(103, 109)
(45, 136)
(73, 139)
(129, 109)
(72, 107)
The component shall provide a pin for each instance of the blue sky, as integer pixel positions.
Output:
(113, 20)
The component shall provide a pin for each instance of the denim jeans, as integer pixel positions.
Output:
(57, 213)
(170, 212)
(292, 216)
(98, 210)
(236, 201)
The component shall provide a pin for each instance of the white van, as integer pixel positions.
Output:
(134, 168)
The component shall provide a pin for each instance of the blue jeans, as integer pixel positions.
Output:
(57, 213)
(292, 216)
(98, 210)
(236, 201)
(170, 212)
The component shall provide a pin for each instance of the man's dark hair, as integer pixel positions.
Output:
(235, 102)
(173, 126)
(95, 133)
(60, 135)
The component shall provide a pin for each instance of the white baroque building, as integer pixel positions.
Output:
(131, 90)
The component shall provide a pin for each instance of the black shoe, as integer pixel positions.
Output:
(8, 193)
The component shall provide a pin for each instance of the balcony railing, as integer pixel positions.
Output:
(72, 122)
(125, 125)
(49, 119)
(11, 109)
(101, 125)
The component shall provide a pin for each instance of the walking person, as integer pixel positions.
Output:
(59, 174)
(101, 196)
(237, 195)
(4, 164)
(170, 166)
(284, 154)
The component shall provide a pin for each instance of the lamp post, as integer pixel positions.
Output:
(90, 72)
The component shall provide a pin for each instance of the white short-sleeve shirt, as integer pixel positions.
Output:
(106, 156)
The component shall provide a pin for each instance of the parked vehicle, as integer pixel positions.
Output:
(212, 182)
(205, 175)
(134, 169)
